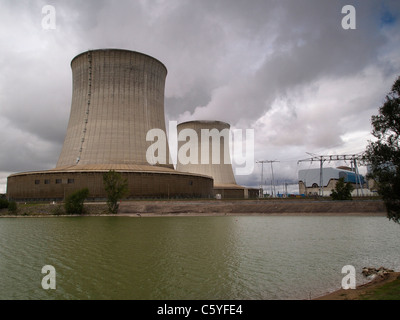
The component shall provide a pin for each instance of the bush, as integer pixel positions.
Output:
(12, 206)
(3, 203)
(74, 202)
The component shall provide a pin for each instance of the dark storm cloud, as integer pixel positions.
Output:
(37, 98)
(309, 44)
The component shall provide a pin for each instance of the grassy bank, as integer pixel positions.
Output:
(381, 288)
(388, 291)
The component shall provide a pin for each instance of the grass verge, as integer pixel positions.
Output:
(388, 291)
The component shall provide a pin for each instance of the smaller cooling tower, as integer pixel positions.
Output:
(203, 148)
(195, 157)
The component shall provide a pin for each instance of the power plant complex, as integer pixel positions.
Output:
(117, 99)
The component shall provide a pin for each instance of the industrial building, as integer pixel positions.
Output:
(204, 149)
(117, 97)
(309, 181)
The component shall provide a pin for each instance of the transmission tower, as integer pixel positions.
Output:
(273, 191)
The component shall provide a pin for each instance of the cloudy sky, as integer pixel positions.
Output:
(287, 69)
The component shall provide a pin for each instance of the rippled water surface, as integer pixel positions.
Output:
(190, 257)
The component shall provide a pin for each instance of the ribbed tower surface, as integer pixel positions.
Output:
(222, 171)
(117, 97)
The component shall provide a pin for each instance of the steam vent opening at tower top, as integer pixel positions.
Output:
(117, 98)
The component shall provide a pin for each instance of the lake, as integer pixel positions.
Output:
(224, 257)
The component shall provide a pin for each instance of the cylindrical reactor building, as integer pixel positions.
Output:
(203, 148)
(117, 97)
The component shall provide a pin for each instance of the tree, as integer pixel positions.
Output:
(116, 187)
(383, 155)
(342, 190)
(74, 202)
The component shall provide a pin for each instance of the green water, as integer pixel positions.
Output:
(190, 257)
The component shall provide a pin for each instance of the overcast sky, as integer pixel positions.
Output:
(287, 69)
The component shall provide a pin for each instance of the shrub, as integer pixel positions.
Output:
(74, 202)
(12, 206)
(342, 190)
(3, 203)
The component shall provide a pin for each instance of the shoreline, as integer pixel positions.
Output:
(207, 208)
(160, 215)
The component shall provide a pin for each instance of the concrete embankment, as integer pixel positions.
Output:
(251, 207)
(301, 207)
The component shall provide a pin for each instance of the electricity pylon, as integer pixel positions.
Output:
(273, 191)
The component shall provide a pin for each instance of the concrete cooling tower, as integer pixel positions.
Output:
(117, 98)
(212, 159)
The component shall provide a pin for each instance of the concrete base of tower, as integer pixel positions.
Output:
(144, 182)
(234, 191)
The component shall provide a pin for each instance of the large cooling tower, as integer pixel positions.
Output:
(117, 97)
(207, 160)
